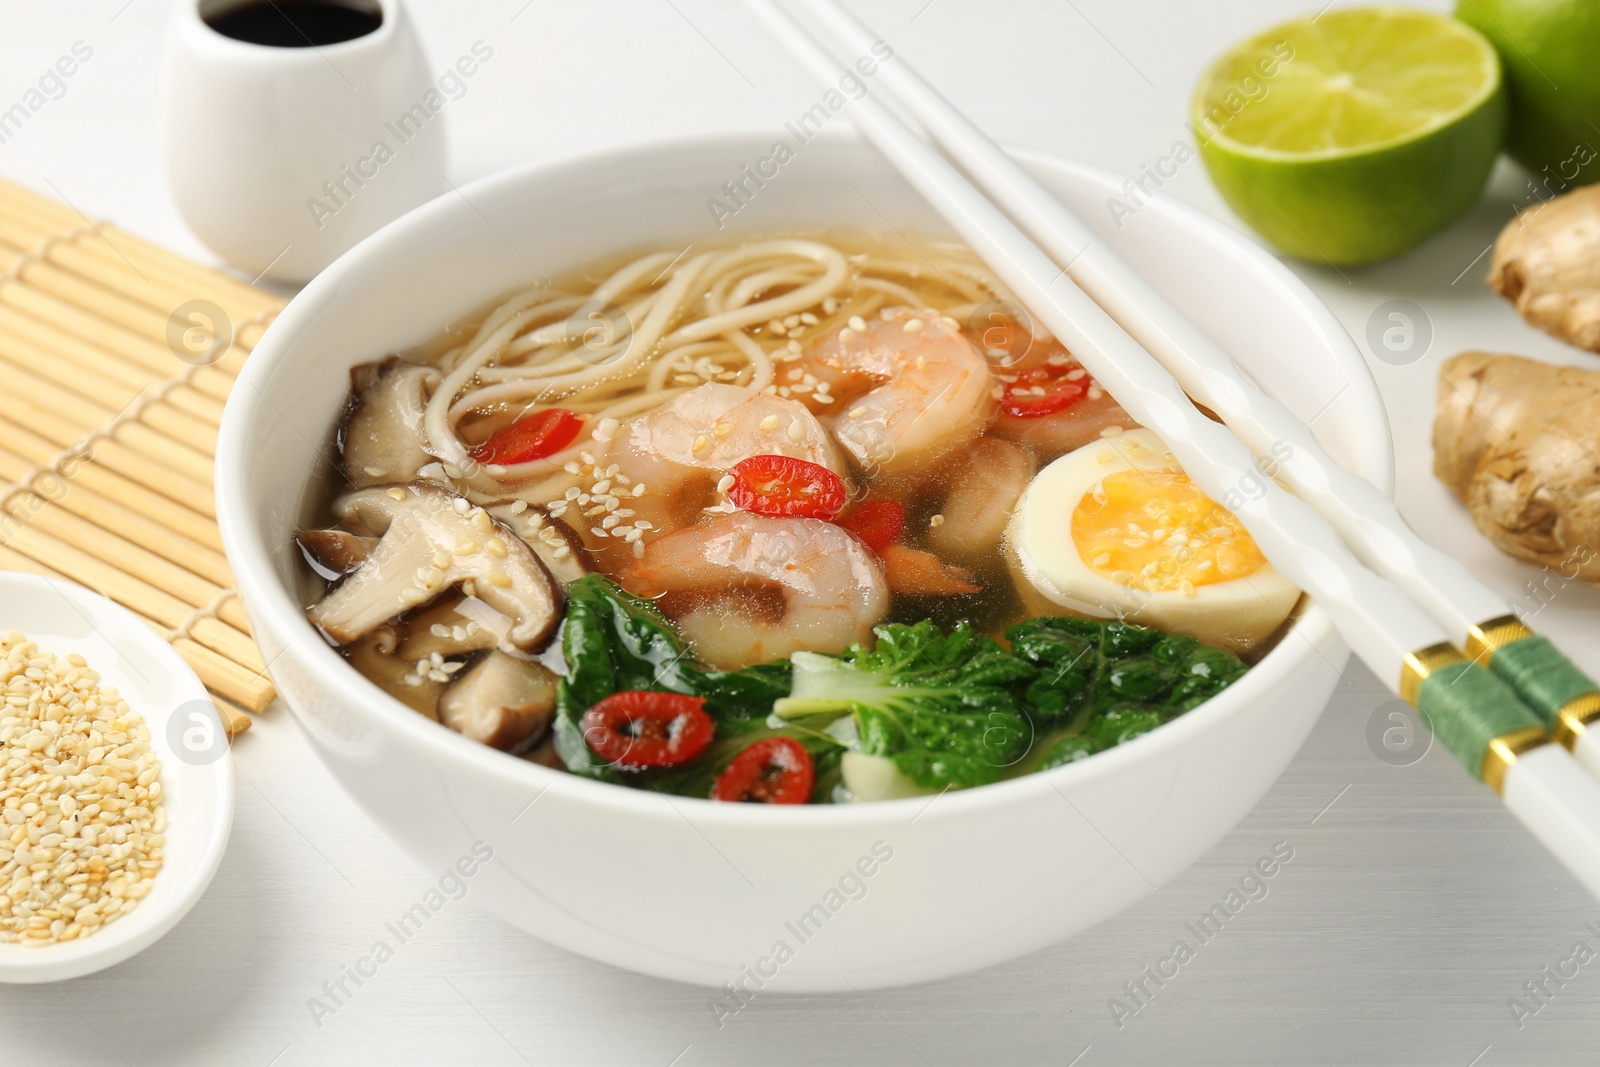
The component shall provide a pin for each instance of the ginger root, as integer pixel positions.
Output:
(1517, 441)
(1547, 263)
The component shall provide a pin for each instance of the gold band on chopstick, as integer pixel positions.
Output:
(1575, 718)
(1504, 750)
(1418, 665)
(1487, 638)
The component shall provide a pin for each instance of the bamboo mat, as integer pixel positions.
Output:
(109, 408)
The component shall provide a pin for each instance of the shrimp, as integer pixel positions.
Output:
(1056, 433)
(831, 590)
(671, 458)
(906, 388)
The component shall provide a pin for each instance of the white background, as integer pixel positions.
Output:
(1413, 907)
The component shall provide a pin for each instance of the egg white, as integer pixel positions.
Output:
(1051, 575)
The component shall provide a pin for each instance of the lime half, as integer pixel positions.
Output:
(1352, 136)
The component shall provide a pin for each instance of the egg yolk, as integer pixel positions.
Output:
(1155, 531)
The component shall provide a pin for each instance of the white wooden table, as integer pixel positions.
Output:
(1413, 908)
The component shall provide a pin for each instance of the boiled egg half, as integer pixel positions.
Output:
(1116, 529)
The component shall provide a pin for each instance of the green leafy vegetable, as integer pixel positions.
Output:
(948, 709)
(1100, 683)
(942, 706)
(1085, 666)
(614, 641)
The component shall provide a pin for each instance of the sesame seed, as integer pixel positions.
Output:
(770, 422)
(846, 334)
(797, 432)
(397, 494)
(725, 483)
(701, 442)
(855, 413)
(66, 870)
(937, 520)
(913, 325)
(858, 324)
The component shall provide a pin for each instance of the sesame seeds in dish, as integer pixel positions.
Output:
(82, 827)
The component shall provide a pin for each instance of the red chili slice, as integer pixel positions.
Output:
(780, 485)
(1044, 391)
(638, 729)
(532, 436)
(878, 522)
(774, 770)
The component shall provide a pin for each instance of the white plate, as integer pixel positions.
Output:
(196, 771)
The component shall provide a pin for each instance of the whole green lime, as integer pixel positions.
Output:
(1551, 52)
(1352, 135)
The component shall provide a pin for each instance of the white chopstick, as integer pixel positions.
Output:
(1381, 624)
(1368, 521)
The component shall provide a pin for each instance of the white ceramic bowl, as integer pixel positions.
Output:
(196, 772)
(698, 891)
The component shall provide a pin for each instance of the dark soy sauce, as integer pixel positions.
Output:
(295, 23)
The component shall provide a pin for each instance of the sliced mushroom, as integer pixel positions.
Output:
(504, 701)
(431, 541)
(448, 627)
(547, 537)
(334, 553)
(381, 437)
(375, 657)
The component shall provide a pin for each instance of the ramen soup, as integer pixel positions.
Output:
(810, 518)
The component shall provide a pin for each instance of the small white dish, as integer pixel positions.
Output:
(196, 771)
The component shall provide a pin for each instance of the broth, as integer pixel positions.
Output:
(778, 446)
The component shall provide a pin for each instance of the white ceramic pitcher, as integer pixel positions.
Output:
(282, 158)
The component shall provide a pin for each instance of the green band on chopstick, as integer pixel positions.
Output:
(1467, 708)
(1544, 678)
